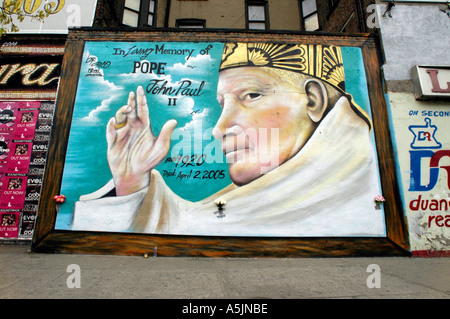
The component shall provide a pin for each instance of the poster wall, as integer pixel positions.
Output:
(421, 135)
(29, 76)
(24, 135)
(222, 139)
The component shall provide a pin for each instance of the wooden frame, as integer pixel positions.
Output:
(47, 239)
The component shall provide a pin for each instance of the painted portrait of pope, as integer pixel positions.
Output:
(298, 148)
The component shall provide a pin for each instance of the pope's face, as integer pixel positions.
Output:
(264, 122)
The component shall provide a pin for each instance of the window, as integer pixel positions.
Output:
(256, 12)
(190, 23)
(139, 13)
(309, 14)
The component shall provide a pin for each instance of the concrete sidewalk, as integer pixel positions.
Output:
(26, 275)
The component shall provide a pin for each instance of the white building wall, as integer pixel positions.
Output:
(419, 34)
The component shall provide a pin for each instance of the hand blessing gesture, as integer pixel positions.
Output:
(133, 149)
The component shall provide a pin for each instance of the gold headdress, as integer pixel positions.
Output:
(321, 61)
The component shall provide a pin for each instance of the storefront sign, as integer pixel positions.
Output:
(431, 82)
(23, 75)
(30, 69)
(423, 147)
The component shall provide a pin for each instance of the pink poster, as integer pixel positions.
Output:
(5, 144)
(7, 115)
(13, 192)
(9, 224)
(26, 118)
(19, 157)
(2, 176)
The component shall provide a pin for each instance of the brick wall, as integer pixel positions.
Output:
(108, 13)
(347, 16)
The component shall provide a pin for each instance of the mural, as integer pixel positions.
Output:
(222, 139)
(423, 161)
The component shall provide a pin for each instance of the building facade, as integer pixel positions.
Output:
(413, 70)
(417, 77)
(267, 15)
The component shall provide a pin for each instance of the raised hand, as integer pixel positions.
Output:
(133, 149)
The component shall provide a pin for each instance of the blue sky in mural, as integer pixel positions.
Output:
(99, 97)
(355, 77)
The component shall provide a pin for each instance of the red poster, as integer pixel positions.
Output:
(7, 115)
(26, 118)
(19, 157)
(9, 224)
(13, 192)
(2, 176)
(5, 144)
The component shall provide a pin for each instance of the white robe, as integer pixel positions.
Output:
(326, 189)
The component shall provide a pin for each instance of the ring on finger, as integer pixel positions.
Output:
(118, 126)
